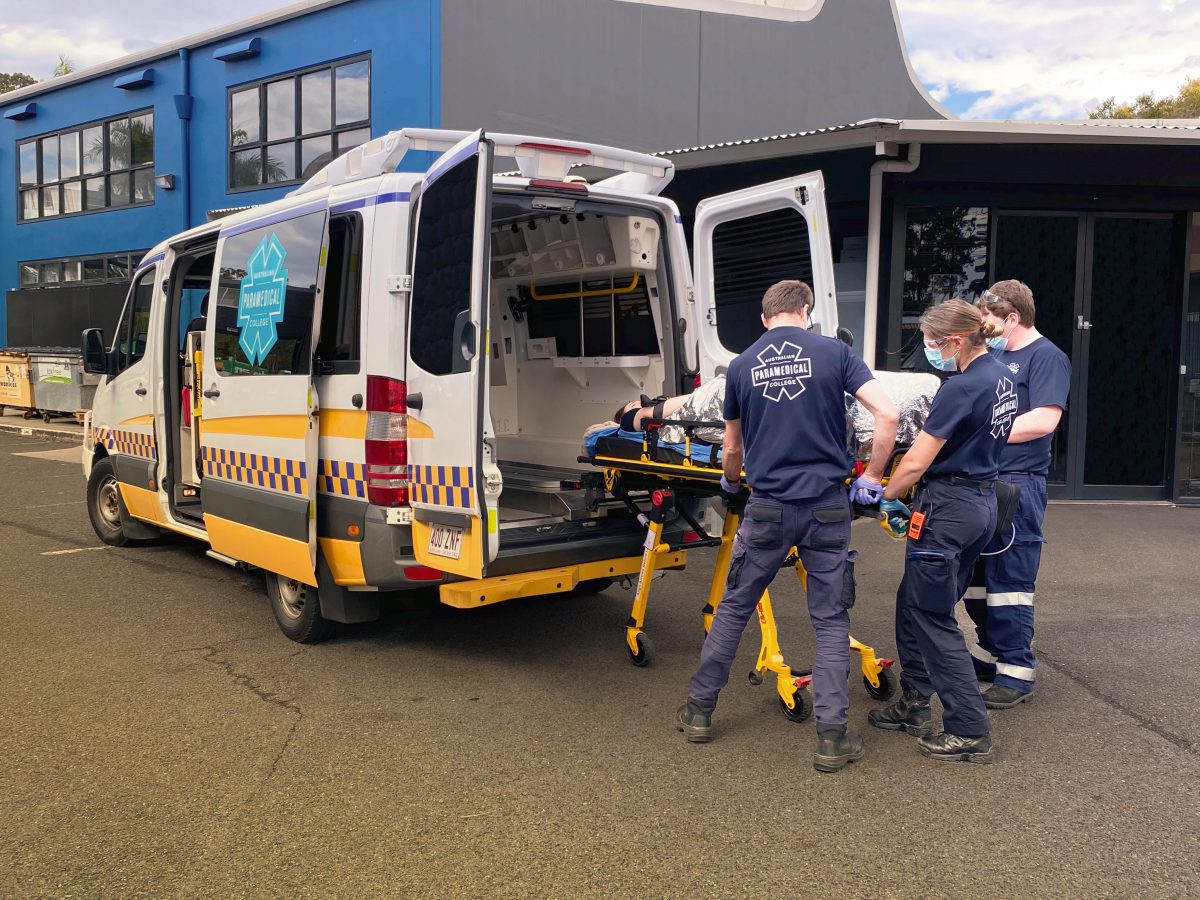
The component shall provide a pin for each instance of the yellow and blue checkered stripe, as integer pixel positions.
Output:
(442, 485)
(127, 443)
(287, 475)
(345, 479)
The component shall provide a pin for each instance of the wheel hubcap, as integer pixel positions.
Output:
(108, 504)
(292, 596)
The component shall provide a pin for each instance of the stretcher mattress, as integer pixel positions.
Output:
(628, 445)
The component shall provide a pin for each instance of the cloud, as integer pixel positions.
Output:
(1027, 59)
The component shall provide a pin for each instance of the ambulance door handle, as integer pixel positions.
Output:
(1082, 324)
(140, 391)
(212, 393)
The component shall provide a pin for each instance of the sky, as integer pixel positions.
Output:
(983, 59)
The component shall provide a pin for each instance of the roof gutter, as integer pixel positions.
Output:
(874, 215)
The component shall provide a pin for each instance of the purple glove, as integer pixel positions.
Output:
(866, 491)
(729, 488)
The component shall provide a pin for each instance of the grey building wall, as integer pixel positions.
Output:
(656, 78)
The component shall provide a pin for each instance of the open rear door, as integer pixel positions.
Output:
(746, 241)
(258, 425)
(453, 529)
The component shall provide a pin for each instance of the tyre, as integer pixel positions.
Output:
(104, 504)
(801, 711)
(297, 609)
(888, 682)
(645, 651)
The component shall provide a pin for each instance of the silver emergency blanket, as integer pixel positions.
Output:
(912, 392)
(705, 404)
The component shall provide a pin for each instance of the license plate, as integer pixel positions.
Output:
(446, 540)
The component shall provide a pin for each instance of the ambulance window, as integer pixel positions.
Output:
(339, 342)
(266, 296)
(442, 267)
(135, 323)
(749, 255)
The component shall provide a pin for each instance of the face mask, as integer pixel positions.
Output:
(934, 355)
(999, 343)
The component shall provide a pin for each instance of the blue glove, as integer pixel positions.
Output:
(866, 491)
(893, 507)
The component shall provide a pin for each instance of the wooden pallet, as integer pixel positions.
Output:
(80, 415)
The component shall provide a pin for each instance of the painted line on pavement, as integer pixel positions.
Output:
(75, 550)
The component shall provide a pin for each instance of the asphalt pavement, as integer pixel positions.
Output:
(161, 737)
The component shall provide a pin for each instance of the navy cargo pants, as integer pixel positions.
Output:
(959, 521)
(820, 529)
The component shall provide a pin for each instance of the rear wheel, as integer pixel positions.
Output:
(104, 504)
(297, 609)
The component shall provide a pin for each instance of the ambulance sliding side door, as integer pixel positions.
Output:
(745, 241)
(258, 433)
(453, 529)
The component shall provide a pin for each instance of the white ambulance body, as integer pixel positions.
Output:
(381, 381)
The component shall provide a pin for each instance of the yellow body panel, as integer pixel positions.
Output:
(470, 561)
(141, 503)
(272, 552)
(345, 560)
(260, 426)
(343, 423)
(418, 430)
(485, 591)
(139, 420)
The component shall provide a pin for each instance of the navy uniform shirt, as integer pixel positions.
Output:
(973, 412)
(789, 391)
(1042, 374)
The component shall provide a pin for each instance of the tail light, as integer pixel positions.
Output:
(387, 441)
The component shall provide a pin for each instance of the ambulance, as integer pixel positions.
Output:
(380, 382)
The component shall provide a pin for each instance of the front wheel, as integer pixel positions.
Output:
(104, 504)
(801, 711)
(888, 682)
(297, 609)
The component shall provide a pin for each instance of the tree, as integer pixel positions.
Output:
(1184, 105)
(11, 81)
(64, 67)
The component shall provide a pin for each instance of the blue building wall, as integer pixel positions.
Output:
(403, 38)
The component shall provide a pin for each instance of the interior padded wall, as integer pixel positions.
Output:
(655, 78)
(56, 317)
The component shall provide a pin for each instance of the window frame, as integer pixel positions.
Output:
(81, 177)
(131, 258)
(351, 286)
(122, 360)
(299, 137)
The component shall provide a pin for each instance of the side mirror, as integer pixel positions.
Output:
(846, 336)
(95, 357)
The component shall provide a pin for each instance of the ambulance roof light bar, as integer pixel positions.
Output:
(536, 158)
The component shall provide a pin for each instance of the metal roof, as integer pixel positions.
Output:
(283, 14)
(939, 131)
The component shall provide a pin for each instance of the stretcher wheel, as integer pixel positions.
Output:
(801, 711)
(756, 677)
(645, 654)
(888, 682)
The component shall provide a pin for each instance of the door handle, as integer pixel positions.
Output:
(414, 400)
(212, 393)
(140, 391)
(1082, 324)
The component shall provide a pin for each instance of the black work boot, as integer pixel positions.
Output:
(836, 747)
(957, 748)
(910, 713)
(998, 696)
(695, 722)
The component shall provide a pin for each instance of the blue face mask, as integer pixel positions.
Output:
(997, 344)
(934, 355)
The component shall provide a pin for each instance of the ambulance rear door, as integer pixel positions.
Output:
(258, 427)
(745, 241)
(446, 374)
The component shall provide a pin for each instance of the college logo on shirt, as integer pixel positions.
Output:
(1005, 408)
(1014, 367)
(781, 372)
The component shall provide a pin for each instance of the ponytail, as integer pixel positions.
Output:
(957, 317)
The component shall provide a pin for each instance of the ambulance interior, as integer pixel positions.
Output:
(581, 321)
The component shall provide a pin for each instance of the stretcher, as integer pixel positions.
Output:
(657, 482)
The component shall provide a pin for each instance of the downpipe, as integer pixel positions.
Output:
(874, 215)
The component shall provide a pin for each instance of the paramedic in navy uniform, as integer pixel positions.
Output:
(1003, 610)
(956, 456)
(785, 399)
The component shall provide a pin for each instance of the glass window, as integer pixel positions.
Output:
(93, 270)
(315, 154)
(143, 186)
(119, 151)
(338, 346)
(68, 154)
(285, 129)
(118, 268)
(93, 150)
(442, 268)
(72, 197)
(141, 139)
(118, 189)
(243, 118)
(29, 204)
(353, 86)
(94, 193)
(50, 201)
(72, 270)
(28, 154)
(267, 296)
(281, 109)
(315, 102)
(49, 273)
(49, 159)
(29, 274)
(134, 331)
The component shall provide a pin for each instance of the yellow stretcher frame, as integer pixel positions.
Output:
(797, 705)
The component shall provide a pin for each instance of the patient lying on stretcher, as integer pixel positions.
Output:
(912, 392)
